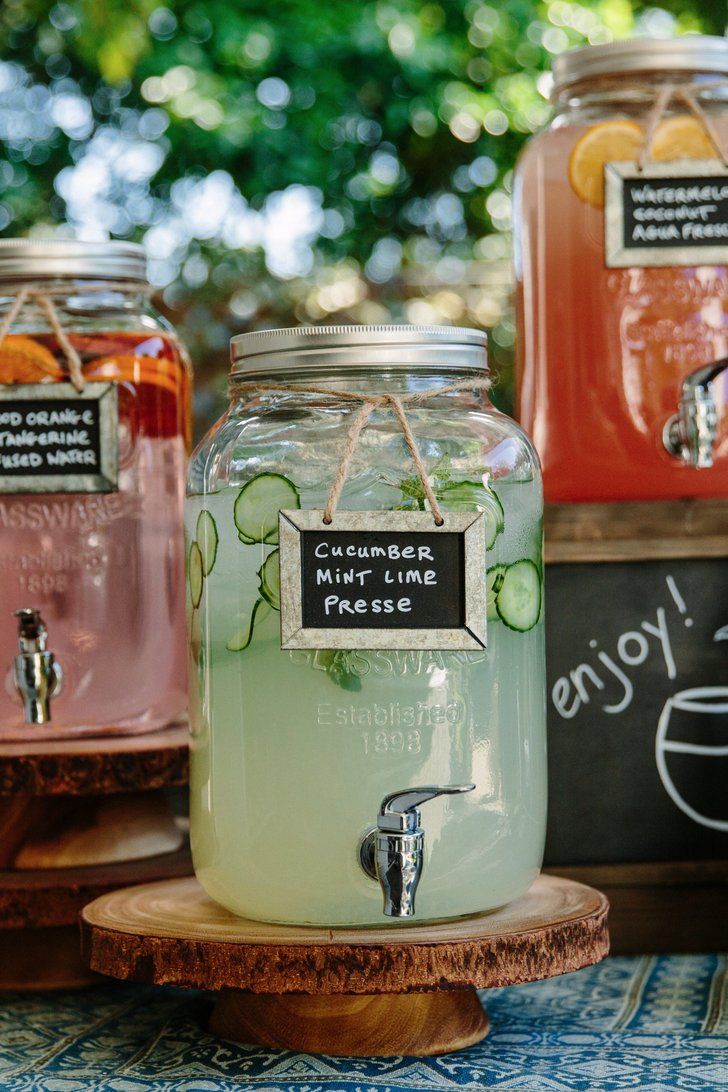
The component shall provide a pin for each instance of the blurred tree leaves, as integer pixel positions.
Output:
(298, 161)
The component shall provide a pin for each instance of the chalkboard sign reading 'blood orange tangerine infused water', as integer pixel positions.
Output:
(382, 580)
(56, 439)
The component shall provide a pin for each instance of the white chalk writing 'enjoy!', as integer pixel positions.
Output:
(617, 669)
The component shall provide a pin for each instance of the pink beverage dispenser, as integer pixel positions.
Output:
(94, 434)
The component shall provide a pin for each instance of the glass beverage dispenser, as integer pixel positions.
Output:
(318, 771)
(94, 433)
(621, 215)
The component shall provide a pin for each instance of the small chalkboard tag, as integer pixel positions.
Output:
(670, 213)
(55, 439)
(382, 580)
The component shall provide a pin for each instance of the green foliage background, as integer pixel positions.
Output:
(296, 161)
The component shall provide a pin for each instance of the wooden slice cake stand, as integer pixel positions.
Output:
(363, 992)
(79, 818)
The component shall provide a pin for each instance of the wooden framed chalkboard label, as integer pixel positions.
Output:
(382, 580)
(54, 439)
(669, 213)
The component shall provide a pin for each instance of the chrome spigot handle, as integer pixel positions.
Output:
(38, 676)
(392, 853)
(690, 434)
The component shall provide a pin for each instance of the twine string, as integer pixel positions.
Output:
(687, 94)
(75, 368)
(370, 403)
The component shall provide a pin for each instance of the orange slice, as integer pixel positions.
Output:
(135, 369)
(604, 143)
(682, 137)
(23, 360)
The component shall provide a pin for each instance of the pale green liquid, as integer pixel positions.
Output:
(288, 768)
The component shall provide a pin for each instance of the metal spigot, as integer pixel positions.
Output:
(691, 433)
(393, 851)
(37, 675)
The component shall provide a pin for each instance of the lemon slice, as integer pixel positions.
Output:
(603, 143)
(681, 138)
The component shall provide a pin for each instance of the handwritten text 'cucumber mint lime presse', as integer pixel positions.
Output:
(334, 574)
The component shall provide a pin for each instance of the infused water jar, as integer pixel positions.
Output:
(317, 771)
(94, 438)
(621, 215)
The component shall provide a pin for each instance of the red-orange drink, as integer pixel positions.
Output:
(603, 351)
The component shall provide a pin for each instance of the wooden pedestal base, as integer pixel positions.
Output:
(78, 818)
(348, 991)
(359, 1025)
(43, 959)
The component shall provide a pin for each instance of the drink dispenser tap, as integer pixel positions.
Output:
(37, 675)
(393, 852)
(690, 433)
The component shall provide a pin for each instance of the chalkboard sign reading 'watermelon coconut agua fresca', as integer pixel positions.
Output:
(666, 214)
(366, 632)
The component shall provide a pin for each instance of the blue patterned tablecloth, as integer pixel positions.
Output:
(647, 1024)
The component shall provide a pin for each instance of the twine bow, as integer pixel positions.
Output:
(370, 403)
(687, 94)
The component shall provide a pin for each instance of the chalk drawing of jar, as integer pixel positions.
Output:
(699, 703)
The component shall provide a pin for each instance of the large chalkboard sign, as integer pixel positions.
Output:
(382, 580)
(637, 710)
(54, 439)
(666, 214)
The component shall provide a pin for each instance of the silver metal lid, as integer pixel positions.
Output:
(692, 53)
(322, 347)
(50, 259)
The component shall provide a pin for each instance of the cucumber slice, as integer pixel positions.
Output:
(207, 540)
(195, 636)
(195, 574)
(257, 506)
(269, 575)
(494, 517)
(494, 583)
(468, 496)
(240, 640)
(519, 600)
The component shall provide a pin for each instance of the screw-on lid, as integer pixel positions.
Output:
(323, 347)
(691, 54)
(51, 259)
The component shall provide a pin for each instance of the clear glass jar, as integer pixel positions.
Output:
(105, 569)
(293, 751)
(603, 352)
